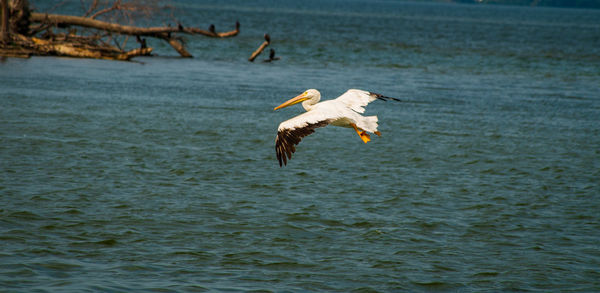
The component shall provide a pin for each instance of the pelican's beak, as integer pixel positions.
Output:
(296, 100)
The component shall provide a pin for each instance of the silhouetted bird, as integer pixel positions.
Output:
(141, 41)
(271, 56)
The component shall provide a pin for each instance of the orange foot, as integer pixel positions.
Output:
(378, 133)
(363, 134)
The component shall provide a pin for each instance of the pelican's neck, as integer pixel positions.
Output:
(310, 103)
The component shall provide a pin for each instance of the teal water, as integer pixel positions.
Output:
(161, 175)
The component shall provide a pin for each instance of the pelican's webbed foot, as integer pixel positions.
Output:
(363, 134)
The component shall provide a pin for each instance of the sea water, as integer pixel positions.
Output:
(160, 174)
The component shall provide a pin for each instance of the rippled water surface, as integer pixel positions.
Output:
(160, 175)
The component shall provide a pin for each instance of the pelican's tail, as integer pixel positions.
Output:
(369, 124)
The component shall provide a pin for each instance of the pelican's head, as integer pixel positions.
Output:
(312, 96)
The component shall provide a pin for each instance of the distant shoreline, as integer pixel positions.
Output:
(595, 4)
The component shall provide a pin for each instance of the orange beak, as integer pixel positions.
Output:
(296, 100)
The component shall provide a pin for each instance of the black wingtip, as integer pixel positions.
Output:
(384, 98)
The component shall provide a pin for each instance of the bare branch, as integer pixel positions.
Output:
(88, 37)
(122, 29)
(260, 48)
(91, 9)
(116, 6)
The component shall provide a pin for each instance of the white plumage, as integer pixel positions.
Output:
(344, 112)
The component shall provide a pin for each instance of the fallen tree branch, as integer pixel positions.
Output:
(260, 48)
(176, 44)
(32, 33)
(65, 20)
(57, 48)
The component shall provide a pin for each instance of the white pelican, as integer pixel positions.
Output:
(343, 111)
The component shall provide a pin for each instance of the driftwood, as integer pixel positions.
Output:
(33, 34)
(261, 48)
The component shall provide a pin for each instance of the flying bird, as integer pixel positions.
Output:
(344, 111)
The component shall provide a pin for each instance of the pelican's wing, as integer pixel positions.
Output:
(358, 99)
(291, 132)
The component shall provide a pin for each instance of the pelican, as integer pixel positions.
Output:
(343, 111)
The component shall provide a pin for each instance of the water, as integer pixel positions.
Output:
(161, 175)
